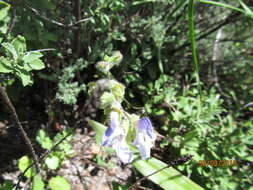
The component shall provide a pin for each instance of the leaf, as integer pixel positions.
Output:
(19, 44)
(10, 50)
(25, 77)
(99, 128)
(168, 178)
(4, 8)
(59, 183)
(43, 139)
(7, 185)
(52, 162)
(23, 163)
(38, 183)
(246, 8)
(31, 56)
(5, 65)
(37, 64)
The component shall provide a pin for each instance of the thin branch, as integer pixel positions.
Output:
(226, 21)
(215, 58)
(20, 127)
(37, 13)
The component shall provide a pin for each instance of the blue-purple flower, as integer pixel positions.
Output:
(115, 136)
(145, 137)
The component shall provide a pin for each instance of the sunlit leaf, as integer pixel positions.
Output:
(38, 183)
(24, 163)
(59, 183)
(168, 178)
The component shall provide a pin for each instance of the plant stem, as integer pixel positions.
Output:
(193, 44)
(20, 127)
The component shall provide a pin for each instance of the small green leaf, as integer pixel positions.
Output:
(44, 140)
(19, 44)
(38, 183)
(59, 183)
(24, 163)
(10, 50)
(37, 64)
(25, 77)
(52, 162)
(31, 56)
(5, 65)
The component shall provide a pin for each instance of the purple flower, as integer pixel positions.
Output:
(145, 137)
(115, 136)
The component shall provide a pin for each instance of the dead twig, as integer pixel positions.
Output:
(8, 103)
(37, 13)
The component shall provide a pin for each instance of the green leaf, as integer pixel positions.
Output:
(59, 183)
(99, 128)
(10, 50)
(38, 183)
(4, 8)
(31, 56)
(25, 77)
(23, 163)
(246, 8)
(7, 185)
(37, 64)
(52, 162)
(19, 44)
(5, 65)
(43, 139)
(168, 178)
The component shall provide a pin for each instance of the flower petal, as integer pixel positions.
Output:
(144, 151)
(145, 125)
(110, 132)
(114, 119)
(123, 151)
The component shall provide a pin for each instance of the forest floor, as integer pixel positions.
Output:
(82, 172)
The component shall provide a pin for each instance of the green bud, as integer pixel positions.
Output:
(117, 89)
(106, 100)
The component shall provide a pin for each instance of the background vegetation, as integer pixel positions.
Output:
(200, 101)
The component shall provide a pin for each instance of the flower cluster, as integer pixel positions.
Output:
(115, 136)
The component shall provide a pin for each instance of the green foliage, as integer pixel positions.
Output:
(157, 73)
(59, 182)
(38, 183)
(54, 160)
(7, 185)
(19, 62)
(4, 17)
(177, 180)
(68, 90)
(24, 163)
(164, 177)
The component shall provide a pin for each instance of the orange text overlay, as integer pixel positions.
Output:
(217, 163)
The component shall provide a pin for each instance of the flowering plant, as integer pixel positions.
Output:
(124, 129)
